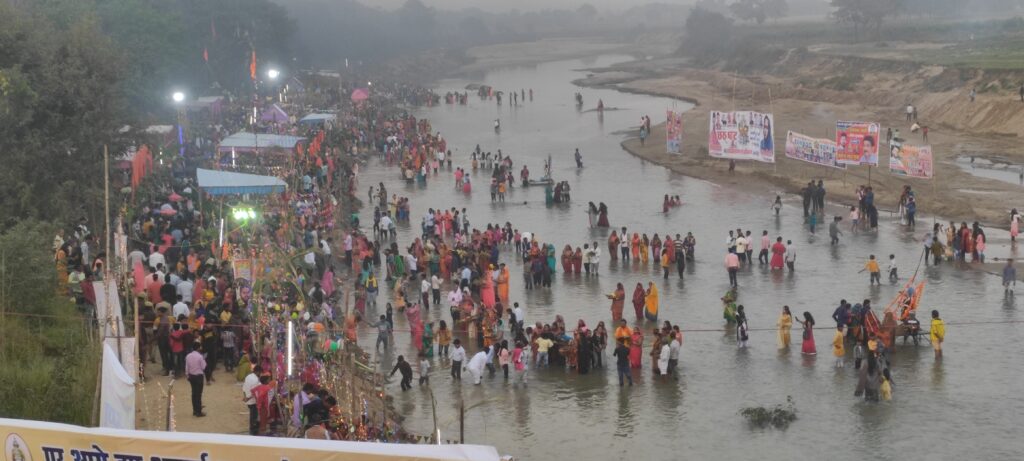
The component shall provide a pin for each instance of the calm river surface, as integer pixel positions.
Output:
(958, 409)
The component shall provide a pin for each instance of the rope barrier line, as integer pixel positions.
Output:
(404, 330)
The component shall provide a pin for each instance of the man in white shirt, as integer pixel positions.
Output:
(595, 259)
(348, 249)
(673, 356)
(425, 292)
(325, 248)
(454, 299)
(156, 259)
(410, 263)
(520, 316)
(790, 255)
(180, 308)
(458, 356)
(310, 260)
(476, 364)
(465, 277)
(624, 243)
(435, 289)
(184, 289)
(741, 248)
(251, 381)
(386, 226)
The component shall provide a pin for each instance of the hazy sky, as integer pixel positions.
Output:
(523, 5)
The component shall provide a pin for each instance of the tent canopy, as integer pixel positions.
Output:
(228, 183)
(318, 118)
(274, 114)
(245, 141)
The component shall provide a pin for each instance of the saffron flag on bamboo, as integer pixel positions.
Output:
(812, 150)
(206, 55)
(857, 143)
(910, 161)
(741, 135)
(252, 66)
(673, 131)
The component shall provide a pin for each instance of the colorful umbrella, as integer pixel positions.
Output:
(360, 94)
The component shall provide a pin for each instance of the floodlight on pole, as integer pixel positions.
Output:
(273, 74)
(178, 96)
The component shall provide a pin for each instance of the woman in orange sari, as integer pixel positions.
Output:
(577, 261)
(613, 246)
(487, 289)
(503, 278)
(635, 246)
(618, 302)
(61, 260)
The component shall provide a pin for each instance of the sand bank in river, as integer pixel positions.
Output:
(813, 112)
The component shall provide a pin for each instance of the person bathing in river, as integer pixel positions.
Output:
(639, 297)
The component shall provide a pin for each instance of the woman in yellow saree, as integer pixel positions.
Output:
(651, 302)
(785, 323)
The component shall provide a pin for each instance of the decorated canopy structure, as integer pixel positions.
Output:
(248, 142)
(274, 114)
(231, 183)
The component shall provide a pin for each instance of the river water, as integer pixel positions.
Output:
(958, 408)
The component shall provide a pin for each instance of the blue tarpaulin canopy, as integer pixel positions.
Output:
(230, 183)
(245, 141)
(317, 118)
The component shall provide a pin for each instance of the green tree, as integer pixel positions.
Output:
(749, 10)
(708, 35)
(864, 14)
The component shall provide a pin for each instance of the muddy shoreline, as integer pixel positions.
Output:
(707, 90)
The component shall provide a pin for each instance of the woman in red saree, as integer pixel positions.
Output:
(567, 259)
(639, 298)
(577, 261)
(636, 348)
(613, 246)
(778, 254)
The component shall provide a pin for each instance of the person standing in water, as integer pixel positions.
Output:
(838, 348)
(785, 323)
(579, 158)
(833, 230)
(622, 361)
(872, 267)
(937, 333)
(808, 348)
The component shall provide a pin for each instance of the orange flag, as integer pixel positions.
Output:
(206, 55)
(252, 66)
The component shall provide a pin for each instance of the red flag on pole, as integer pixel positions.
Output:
(252, 66)
(206, 55)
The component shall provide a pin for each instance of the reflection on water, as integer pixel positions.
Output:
(590, 416)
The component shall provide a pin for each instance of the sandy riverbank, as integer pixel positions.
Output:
(955, 193)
